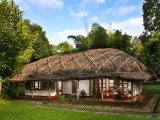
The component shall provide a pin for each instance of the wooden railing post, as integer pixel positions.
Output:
(17, 88)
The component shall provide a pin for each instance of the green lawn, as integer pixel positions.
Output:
(26, 110)
(153, 88)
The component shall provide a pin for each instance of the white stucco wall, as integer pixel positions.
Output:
(40, 92)
(49, 91)
(129, 86)
(84, 84)
(59, 85)
(136, 89)
(67, 87)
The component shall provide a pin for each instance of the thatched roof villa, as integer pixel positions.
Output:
(105, 73)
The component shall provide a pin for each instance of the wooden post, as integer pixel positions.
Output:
(57, 90)
(49, 88)
(89, 88)
(32, 87)
(94, 87)
(107, 86)
(147, 87)
(98, 90)
(62, 87)
(17, 88)
(0, 84)
(132, 89)
(102, 88)
(78, 89)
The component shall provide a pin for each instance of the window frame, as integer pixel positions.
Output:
(36, 85)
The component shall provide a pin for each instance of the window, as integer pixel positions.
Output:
(111, 84)
(36, 85)
(96, 85)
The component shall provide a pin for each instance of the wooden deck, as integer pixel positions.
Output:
(110, 99)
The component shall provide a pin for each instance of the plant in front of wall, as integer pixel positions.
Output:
(83, 93)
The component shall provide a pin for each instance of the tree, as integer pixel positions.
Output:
(98, 36)
(41, 45)
(20, 41)
(137, 48)
(126, 43)
(82, 43)
(117, 42)
(120, 41)
(151, 53)
(63, 47)
(151, 18)
(11, 36)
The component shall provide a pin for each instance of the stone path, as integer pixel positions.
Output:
(155, 111)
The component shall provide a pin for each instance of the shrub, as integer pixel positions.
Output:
(12, 90)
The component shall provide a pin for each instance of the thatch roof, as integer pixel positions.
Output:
(90, 64)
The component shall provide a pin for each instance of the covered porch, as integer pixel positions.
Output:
(110, 99)
(102, 89)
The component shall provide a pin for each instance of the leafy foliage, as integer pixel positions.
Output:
(14, 38)
(151, 53)
(99, 38)
(63, 47)
(120, 41)
(41, 46)
(19, 40)
(151, 18)
(82, 43)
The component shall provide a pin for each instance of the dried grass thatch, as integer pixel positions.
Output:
(90, 64)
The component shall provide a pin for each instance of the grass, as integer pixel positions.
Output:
(4, 102)
(26, 110)
(153, 88)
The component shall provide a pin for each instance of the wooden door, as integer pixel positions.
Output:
(74, 87)
(95, 87)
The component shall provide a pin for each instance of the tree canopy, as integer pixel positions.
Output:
(19, 40)
(151, 18)
(151, 52)
(41, 46)
(63, 47)
(98, 37)
(13, 40)
(82, 43)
